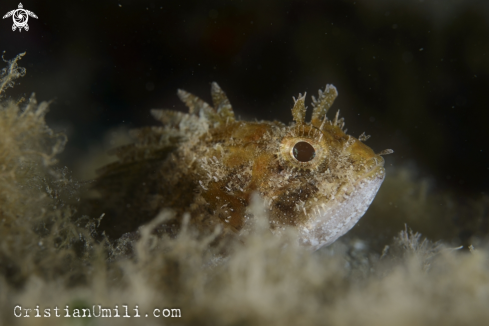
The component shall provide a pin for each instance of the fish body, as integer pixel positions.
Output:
(312, 176)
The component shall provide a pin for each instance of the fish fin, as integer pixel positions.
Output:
(221, 103)
(168, 117)
(194, 103)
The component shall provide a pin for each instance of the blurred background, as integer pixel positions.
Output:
(414, 74)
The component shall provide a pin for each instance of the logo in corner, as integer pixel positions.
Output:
(20, 17)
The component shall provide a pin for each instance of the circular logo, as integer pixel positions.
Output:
(20, 18)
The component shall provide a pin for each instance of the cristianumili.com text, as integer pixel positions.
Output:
(95, 311)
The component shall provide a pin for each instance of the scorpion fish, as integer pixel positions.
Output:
(206, 163)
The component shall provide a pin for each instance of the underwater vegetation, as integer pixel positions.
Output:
(52, 254)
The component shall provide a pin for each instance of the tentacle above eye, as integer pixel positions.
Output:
(322, 104)
(299, 109)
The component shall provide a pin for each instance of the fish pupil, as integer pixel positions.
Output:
(303, 151)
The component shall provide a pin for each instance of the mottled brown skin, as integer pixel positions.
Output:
(208, 164)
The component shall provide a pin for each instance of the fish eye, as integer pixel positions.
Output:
(303, 151)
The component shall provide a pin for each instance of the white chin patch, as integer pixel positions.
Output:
(330, 221)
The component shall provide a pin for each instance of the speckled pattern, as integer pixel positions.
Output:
(208, 163)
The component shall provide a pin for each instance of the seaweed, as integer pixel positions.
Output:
(51, 256)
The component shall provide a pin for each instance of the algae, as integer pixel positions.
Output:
(51, 255)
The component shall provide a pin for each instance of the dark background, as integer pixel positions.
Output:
(414, 74)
